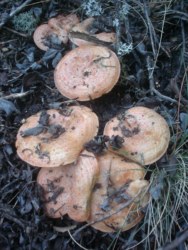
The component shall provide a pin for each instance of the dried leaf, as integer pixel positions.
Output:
(8, 107)
(49, 54)
(56, 59)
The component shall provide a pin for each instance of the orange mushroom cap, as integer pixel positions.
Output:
(56, 137)
(119, 195)
(40, 35)
(87, 72)
(67, 189)
(146, 134)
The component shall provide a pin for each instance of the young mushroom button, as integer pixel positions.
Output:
(56, 137)
(87, 72)
(145, 135)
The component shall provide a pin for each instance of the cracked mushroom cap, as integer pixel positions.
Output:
(146, 134)
(67, 189)
(56, 137)
(119, 195)
(87, 72)
(81, 34)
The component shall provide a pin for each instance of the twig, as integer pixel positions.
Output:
(16, 32)
(160, 40)
(14, 12)
(177, 14)
(156, 54)
(126, 204)
(151, 30)
(126, 23)
(152, 85)
(153, 37)
(175, 243)
(17, 95)
(9, 41)
(179, 104)
(164, 97)
(76, 241)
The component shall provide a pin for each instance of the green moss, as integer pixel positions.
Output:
(25, 22)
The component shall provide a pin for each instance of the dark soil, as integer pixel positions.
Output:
(154, 74)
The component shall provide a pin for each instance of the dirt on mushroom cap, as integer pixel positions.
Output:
(87, 72)
(146, 134)
(58, 140)
(119, 196)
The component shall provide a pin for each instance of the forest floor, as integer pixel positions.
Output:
(152, 46)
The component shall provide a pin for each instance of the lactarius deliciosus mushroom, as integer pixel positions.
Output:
(119, 196)
(56, 30)
(56, 137)
(145, 133)
(67, 189)
(87, 72)
(81, 34)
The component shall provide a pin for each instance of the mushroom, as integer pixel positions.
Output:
(119, 195)
(67, 189)
(56, 31)
(87, 72)
(56, 137)
(145, 134)
(81, 34)
(41, 35)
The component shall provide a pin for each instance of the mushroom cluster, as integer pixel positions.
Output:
(62, 28)
(106, 190)
(86, 72)
(109, 191)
